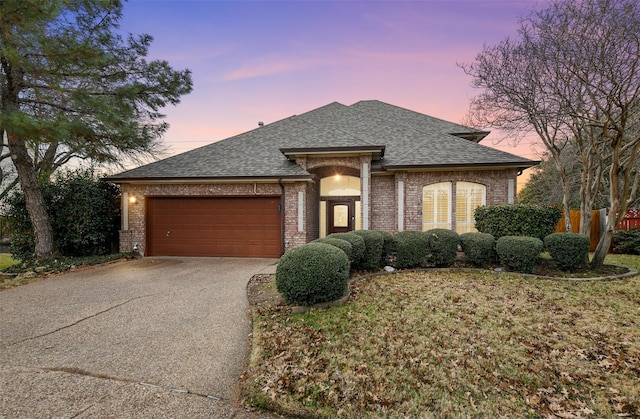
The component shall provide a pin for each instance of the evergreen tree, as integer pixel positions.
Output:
(72, 86)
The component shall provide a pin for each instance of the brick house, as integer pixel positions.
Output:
(370, 166)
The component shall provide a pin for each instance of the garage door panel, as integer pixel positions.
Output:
(214, 226)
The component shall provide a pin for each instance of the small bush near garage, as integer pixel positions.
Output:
(357, 243)
(343, 245)
(627, 242)
(413, 247)
(568, 250)
(313, 273)
(519, 253)
(478, 248)
(373, 243)
(517, 220)
(443, 246)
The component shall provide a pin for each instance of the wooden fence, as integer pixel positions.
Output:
(575, 226)
(630, 220)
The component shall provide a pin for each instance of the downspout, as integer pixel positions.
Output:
(283, 245)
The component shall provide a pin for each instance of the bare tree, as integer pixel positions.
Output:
(516, 98)
(583, 59)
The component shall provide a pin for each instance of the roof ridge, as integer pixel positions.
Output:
(471, 129)
(350, 134)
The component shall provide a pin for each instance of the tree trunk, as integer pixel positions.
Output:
(564, 182)
(585, 218)
(603, 248)
(566, 209)
(618, 206)
(35, 203)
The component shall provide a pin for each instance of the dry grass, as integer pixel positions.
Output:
(435, 344)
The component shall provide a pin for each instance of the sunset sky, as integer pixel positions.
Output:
(267, 60)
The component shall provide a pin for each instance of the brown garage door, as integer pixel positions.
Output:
(248, 227)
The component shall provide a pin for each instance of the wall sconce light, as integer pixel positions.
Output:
(133, 200)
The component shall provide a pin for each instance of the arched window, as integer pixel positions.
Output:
(436, 206)
(469, 196)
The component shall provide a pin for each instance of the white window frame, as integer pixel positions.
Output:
(435, 224)
(468, 211)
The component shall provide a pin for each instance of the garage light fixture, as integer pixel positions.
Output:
(133, 199)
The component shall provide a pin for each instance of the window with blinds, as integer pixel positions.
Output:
(469, 196)
(436, 206)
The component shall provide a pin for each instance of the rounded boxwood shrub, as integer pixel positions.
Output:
(313, 273)
(389, 248)
(568, 250)
(519, 253)
(343, 245)
(412, 247)
(478, 248)
(357, 243)
(443, 246)
(626, 241)
(373, 243)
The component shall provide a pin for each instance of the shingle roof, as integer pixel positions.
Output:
(410, 139)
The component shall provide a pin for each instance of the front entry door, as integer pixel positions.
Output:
(340, 216)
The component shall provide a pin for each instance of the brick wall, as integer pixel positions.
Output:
(384, 208)
(496, 182)
(292, 236)
(383, 200)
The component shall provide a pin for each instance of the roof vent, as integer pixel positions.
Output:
(261, 124)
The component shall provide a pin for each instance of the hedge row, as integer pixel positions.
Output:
(517, 220)
(319, 271)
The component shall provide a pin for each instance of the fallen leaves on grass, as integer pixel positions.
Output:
(457, 344)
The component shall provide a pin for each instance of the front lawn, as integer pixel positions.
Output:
(6, 261)
(440, 344)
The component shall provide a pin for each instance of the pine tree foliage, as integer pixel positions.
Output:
(72, 86)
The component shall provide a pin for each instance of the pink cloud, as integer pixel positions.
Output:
(268, 67)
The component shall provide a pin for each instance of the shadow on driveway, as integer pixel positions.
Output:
(152, 337)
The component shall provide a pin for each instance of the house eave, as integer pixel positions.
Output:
(475, 136)
(462, 166)
(210, 180)
(377, 151)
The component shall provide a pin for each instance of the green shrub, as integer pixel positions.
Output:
(357, 243)
(84, 213)
(343, 245)
(373, 242)
(413, 247)
(313, 273)
(443, 246)
(519, 253)
(389, 248)
(568, 250)
(478, 248)
(627, 242)
(517, 220)
(22, 242)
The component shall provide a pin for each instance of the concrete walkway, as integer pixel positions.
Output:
(156, 337)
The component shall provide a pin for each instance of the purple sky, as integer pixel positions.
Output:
(267, 60)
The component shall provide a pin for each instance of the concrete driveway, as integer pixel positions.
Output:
(155, 337)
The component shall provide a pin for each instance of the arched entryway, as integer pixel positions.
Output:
(340, 207)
